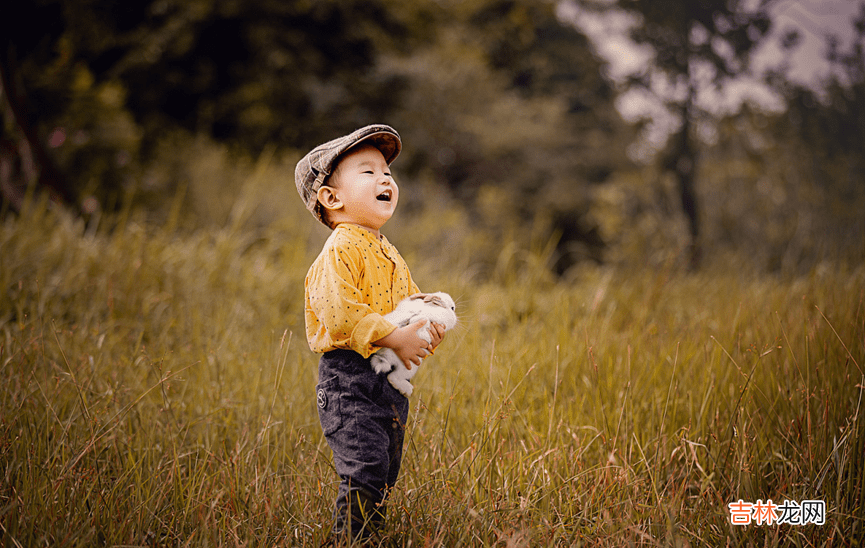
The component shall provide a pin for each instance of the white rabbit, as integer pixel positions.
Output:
(436, 308)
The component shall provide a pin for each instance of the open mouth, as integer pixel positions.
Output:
(384, 196)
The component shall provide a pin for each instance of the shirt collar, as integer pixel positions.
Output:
(364, 234)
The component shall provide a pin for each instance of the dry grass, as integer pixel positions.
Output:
(158, 391)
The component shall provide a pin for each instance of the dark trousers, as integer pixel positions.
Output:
(363, 418)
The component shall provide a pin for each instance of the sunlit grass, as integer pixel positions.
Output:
(158, 391)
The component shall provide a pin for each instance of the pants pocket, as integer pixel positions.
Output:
(328, 400)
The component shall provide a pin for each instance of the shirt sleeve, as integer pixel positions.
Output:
(340, 317)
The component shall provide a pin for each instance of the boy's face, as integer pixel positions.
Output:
(361, 190)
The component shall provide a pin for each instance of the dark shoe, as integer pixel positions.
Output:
(357, 515)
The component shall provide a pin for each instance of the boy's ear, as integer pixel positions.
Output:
(327, 197)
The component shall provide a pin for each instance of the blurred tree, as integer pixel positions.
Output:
(24, 161)
(101, 81)
(498, 99)
(818, 143)
(694, 43)
(787, 189)
(508, 108)
(268, 71)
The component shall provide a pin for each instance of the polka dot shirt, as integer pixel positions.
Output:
(356, 279)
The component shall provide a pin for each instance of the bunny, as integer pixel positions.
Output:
(435, 307)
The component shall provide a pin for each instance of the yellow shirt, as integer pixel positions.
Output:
(355, 280)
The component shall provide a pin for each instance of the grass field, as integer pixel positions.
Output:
(158, 391)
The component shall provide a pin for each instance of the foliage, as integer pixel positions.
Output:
(508, 111)
(492, 96)
(158, 393)
(694, 46)
(506, 114)
(781, 202)
(228, 69)
(791, 183)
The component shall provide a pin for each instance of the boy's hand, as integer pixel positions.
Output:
(409, 347)
(437, 331)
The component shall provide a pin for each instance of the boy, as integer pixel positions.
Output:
(358, 277)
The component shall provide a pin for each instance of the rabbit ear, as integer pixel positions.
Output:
(436, 300)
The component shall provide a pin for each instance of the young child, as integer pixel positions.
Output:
(358, 277)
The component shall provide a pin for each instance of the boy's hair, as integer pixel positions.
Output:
(314, 169)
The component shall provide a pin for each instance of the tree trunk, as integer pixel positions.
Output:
(30, 150)
(682, 162)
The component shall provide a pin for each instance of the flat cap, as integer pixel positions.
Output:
(313, 169)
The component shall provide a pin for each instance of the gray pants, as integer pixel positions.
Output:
(363, 418)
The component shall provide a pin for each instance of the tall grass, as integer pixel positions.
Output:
(159, 391)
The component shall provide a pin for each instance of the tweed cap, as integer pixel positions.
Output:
(313, 169)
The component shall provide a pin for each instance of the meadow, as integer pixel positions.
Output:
(158, 391)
